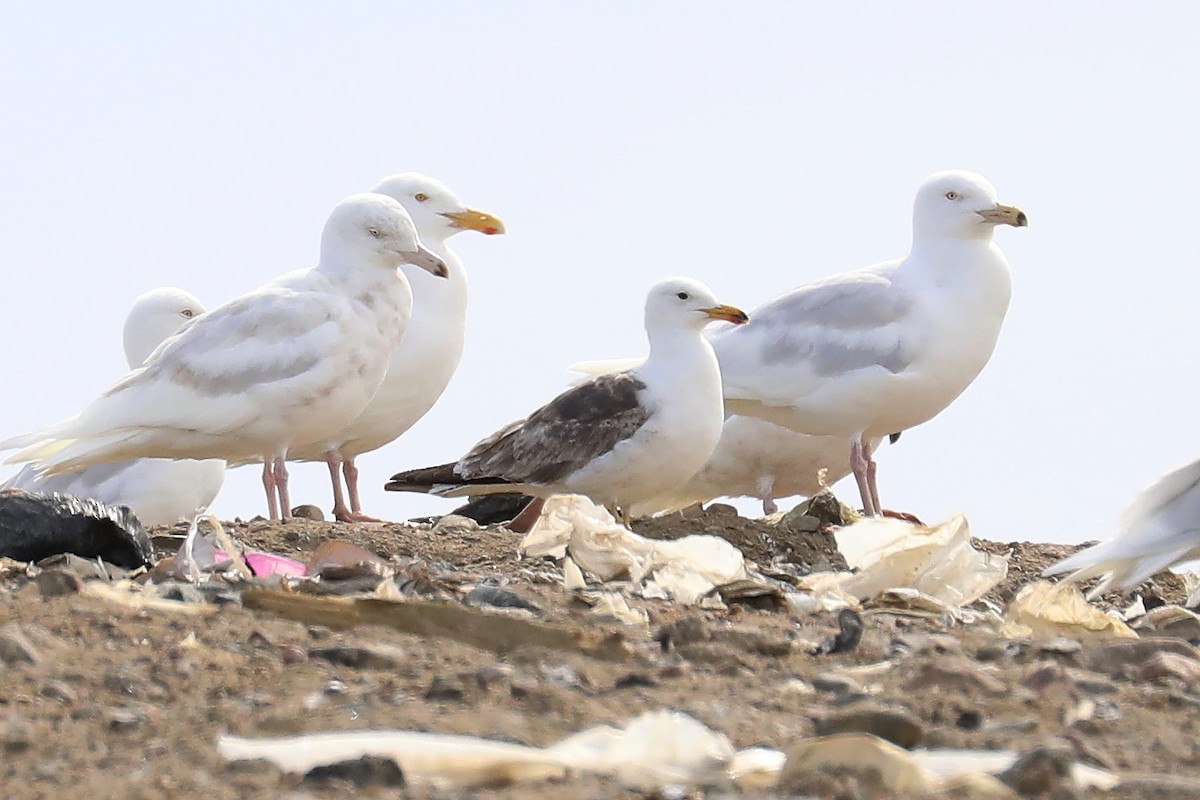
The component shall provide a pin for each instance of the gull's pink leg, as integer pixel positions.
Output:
(354, 513)
(871, 469)
(281, 486)
(859, 466)
(340, 512)
(268, 480)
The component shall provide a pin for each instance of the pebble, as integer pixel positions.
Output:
(495, 597)
(1164, 665)
(57, 583)
(125, 719)
(362, 656)
(895, 725)
(682, 631)
(956, 674)
(442, 689)
(290, 654)
(635, 680)
(1041, 770)
(57, 690)
(454, 525)
(365, 771)
(15, 736)
(309, 512)
(15, 647)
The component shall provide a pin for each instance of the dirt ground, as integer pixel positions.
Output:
(101, 700)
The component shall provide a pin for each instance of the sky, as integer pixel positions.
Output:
(753, 146)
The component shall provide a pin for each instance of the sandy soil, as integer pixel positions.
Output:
(106, 701)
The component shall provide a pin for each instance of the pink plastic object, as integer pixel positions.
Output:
(264, 564)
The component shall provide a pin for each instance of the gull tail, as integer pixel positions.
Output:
(1124, 564)
(71, 455)
(444, 481)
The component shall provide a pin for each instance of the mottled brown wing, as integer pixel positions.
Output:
(562, 436)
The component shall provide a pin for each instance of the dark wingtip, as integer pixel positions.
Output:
(894, 437)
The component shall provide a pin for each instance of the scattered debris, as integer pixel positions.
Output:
(1045, 610)
(37, 526)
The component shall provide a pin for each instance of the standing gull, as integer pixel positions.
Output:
(883, 349)
(160, 491)
(289, 363)
(425, 361)
(619, 439)
(1160, 529)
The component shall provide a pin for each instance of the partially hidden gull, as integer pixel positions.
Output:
(1160, 529)
(159, 491)
(867, 353)
(618, 439)
(753, 458)
(756, 458)
(289, 363)
(426, 359)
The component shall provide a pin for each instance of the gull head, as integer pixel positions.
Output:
(687, 304)
(374, 229)
(157, 315)
(961, 205)
(436, 211)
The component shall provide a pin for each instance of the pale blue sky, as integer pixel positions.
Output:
(752, 146)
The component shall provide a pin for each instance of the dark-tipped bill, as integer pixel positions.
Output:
(427, 260)
(1005, 215)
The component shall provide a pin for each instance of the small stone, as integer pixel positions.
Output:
(635, 680)
(365, 771)
(952, 673)
(494, 675)
(125, 719)
(363, 656)
(1164, 665)
(495, 597)
(969, 720)
(441, 689)
(1041, 770)
(834, 683)
(682, 631)
(1061, 646)
(57, 690)
(1043, 675)
(15, 647)
(56, 583)
(309, 512)
(894, 725)
(15, 736)
(1113, 659)
(454, 525)
(561, 675)
(850, 629)
(290, 654)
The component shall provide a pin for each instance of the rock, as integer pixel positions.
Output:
(376, 655)
(454, 525)
(310, 512)
(969, 720)
(686, 630)
(495, 597)
(850, 628)
(1061, 646)
(1117, 658)
(58, 690)
(56, 583)
(15, 736)
(561, 675)
(1044, 674)
(365, 771)
(837, 683)
(15, 647)
(125, 719)
(442, 689)
(754, 594)
(635, 680)
(953, 674)
(1041, 770)
(1164, 665)
(290, 654)
(893, 725)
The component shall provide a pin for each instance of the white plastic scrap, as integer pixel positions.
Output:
(684, 569)
(938, 561)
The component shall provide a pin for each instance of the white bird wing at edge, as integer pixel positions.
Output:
(218, 375)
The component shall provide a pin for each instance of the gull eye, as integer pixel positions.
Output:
(420, 197)
(951, 195)
(374, 232)
(683, 295)
(187, 312)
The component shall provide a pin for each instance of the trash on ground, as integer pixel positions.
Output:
(1045, 610)
(37, 526)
